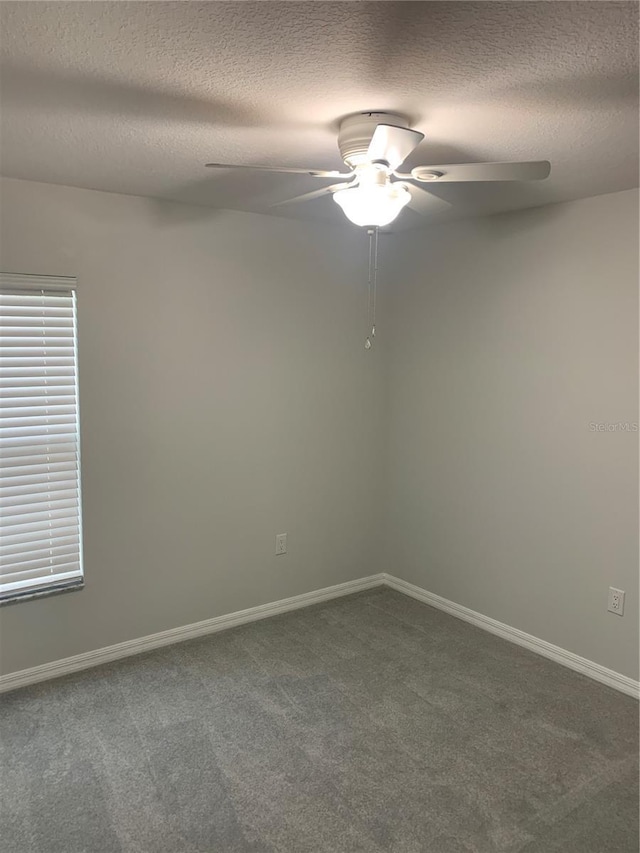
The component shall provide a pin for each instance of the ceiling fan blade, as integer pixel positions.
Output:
(462, 172)
(314, 173)
(425, 203)
(309, 196)
(393, 144)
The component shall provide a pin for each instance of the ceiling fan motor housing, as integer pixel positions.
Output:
(356, 132)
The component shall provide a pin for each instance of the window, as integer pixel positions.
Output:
(40, 512)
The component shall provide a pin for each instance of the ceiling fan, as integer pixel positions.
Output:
(374, 145)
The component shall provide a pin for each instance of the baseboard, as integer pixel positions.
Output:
(587, 667)
(46, 671)
(24, 677)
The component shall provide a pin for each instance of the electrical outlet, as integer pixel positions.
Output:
(616, 601)
(281, 543)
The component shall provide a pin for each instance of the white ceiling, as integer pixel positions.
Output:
(134, 97)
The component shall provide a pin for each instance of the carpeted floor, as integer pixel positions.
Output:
(370, 723)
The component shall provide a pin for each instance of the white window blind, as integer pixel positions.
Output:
(40, 510)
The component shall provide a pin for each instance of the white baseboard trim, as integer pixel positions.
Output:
(587, 667)
(86, 660)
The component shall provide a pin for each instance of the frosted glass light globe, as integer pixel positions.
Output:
(372, 205)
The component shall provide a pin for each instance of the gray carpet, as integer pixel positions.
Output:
(370, 723)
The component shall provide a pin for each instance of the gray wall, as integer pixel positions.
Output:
(509, 336)
(225, 397)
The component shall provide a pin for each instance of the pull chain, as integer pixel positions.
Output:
(373, 285)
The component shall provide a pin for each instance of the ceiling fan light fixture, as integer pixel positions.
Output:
(370, 206)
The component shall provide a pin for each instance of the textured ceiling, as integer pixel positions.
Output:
(134, 97)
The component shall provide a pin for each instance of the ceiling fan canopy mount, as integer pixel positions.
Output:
(357, 131)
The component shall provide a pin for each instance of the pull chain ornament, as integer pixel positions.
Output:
(373, 285)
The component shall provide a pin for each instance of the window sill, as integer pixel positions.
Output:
(16, 597)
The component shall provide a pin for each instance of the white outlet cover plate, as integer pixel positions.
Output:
(616, 601)
(281, 544)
